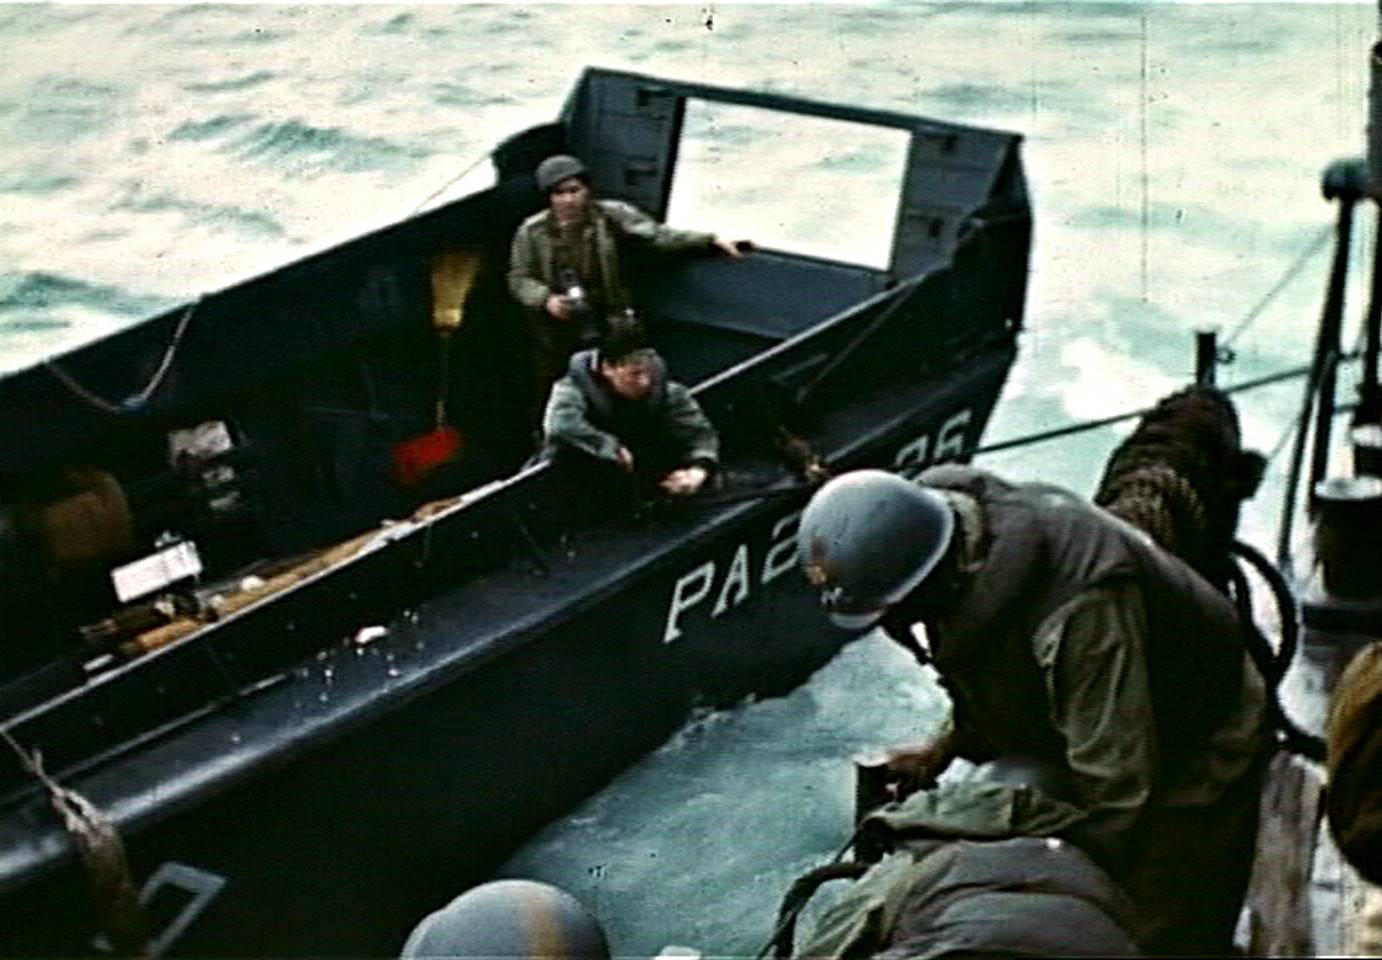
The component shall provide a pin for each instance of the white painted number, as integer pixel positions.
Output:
(948, 443)
(693, 587)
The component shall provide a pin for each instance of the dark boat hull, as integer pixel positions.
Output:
(340, 850)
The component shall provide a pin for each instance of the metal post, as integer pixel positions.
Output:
(1369, 391)
(1375, 121)
(1206, 357)
(1343, 181)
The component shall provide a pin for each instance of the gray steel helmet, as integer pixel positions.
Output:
(867, 539)
(554, 170)
(509, 918)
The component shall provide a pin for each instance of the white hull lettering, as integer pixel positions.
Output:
(782, 555)
(191, 888)
(947, 443)
(693, 588)
(736, 583)
(690, 590)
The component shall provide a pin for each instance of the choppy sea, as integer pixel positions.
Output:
(1174, 153)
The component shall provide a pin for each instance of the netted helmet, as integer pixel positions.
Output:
(867, 539)
(509, 918)
(554, 170)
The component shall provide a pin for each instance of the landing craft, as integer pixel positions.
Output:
(313, 681)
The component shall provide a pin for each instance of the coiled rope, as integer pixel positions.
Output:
(1273, 664)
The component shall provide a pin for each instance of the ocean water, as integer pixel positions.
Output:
(1174, 153)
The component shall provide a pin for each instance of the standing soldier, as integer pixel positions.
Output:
(565, 266)
(1062, 633)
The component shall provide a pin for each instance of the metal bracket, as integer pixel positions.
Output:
(203, 887)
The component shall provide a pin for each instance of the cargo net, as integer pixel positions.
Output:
(1182, 476)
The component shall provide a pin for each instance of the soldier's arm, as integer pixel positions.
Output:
(1091, 654)
(566, 423)
(691, 428)
(524, 284)
(635, 223)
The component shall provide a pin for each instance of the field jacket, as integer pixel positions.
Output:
(1074, 639)
(533, 264)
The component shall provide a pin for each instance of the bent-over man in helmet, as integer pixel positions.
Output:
(565, 261)
(1061, 632)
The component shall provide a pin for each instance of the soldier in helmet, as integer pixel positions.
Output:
(565, 261)
(509, 918)
(1063, 633)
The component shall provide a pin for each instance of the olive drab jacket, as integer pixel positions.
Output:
(665, 430)
(533, 266)
(1072, 638)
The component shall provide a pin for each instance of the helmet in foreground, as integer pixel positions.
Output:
(509, 918)
(867, 539)
(555, 169)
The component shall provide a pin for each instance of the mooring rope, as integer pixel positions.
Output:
(1292, 271)
(1086, 425)
(142, 396)
(102, 855)
(470, 168)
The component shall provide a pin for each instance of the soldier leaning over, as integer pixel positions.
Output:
(1061, 633)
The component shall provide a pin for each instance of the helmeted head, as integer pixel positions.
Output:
(869, 538)
(563, 178)
(555, 169)
(509, 918)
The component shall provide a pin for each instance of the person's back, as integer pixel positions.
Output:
(1062, 633)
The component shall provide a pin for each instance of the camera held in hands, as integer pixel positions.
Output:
(575, 296)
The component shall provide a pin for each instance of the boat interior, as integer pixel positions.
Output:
(261, 423)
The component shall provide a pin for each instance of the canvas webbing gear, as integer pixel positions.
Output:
(787, 917)
(102, 857)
